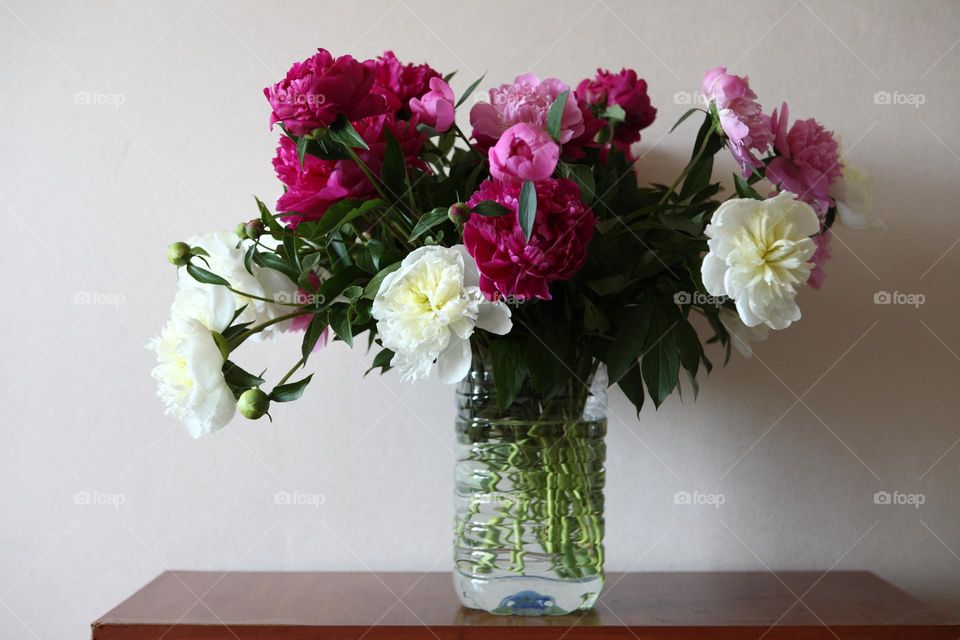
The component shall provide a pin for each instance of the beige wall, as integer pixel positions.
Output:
(857, 398)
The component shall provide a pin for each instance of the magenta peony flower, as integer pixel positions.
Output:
(313, 187)
(435, 108)
(526, 100)
(741, 117)
(523, 153)
(398, 82)
(512, 268)
(625, 90)
(576, 147)
(807, 162)
(819, 258)
(321, 88)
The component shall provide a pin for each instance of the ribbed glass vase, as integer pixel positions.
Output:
(528, 536)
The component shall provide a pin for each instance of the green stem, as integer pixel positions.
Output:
(686, 169)
(463, 137)
(235, 342)
(253, 297)
(292, 370)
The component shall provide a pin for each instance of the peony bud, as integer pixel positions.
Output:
(459, 213)
(253, 404)
(254, 229)
(179, 253)
(241, 231)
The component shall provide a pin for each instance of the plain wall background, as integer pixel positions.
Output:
(854, 399)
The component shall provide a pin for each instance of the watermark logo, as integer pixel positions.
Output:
(696, 498)
(307, 99)
(899, 98)
(900, 298)
(98, 99)
(896, 498)
(98, 298)
(299, 499)
(688, 97)
(299, 297)
(99, 499)
(698, 298)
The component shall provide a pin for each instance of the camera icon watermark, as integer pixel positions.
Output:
(899, 98)
(299, 297)
(698, 298)
(96, 98)
(914, 500)
(98, 499)
(899, 298)
(696, 498)
(299, 499)
(688, 98)
(98, 298)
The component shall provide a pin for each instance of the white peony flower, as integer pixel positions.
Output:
(189, 362)
(759, 253)
(740, 334)
(427, 310)
(852, 195)
(226, 260)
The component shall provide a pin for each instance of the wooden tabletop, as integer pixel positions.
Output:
(203, 605)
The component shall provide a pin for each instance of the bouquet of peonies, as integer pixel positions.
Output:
(528, 244)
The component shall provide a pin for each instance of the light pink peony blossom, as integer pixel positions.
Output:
(744, 124)
(512, 268)
(807, 162)
(625, 90)
(435, 108)
(321, 88)
(523, 153)
(526, 100)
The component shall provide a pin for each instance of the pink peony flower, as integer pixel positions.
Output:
(741, 117)
(523, 153)
(807, 162)
(625, 90)
(319, 89)
(310, 188)
(526, 100)
(398, 82)
(435, 108)
(819, 258)
(313, 187)
(512, 268)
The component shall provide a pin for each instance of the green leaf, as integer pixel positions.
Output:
(302, 143)
(237, 377)
(527, 211)
(335, 284)
(428, 221)
(686, 115)
(248, 258)
(370, 291)
(343, 132)
(688, 344)
(340, 323)
(555, 115)
(615, 112)
(631, 384)
(393, 173)
(337, 215)
(583, 176)
(289, 391)
(509, 370)
(310, 337)
(490, 208)
(275, 262)
(381, 361)
(206, 277)
(744, 190)
(633, 325)
(268, 219)
(661, 364)
(466, 94)
(199, 251)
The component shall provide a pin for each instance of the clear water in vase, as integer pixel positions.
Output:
(529, 498)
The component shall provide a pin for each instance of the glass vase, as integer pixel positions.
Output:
(528, 529)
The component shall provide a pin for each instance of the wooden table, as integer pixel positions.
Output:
(410, 606)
